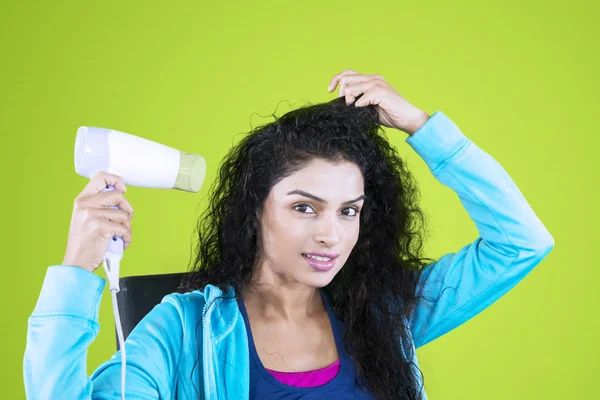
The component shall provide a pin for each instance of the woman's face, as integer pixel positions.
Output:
(294, 223)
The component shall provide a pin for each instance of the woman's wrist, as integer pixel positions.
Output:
(419, 120)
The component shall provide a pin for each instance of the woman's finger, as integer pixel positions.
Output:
(346, 81)
(349, 79)
(353, 90)
(100, 181)
(336, 78)
(370, 97)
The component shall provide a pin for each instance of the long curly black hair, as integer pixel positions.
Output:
(375, 292)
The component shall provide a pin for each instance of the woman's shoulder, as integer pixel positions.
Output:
(189, 303)
(186, 303)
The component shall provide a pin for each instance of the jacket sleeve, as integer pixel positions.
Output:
(512, 240)
(65, 322)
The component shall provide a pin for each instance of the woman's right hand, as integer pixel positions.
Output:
(93, 225)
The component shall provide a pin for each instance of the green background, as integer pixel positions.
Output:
(520, 78)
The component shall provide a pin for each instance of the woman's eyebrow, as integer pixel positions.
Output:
(312, 196)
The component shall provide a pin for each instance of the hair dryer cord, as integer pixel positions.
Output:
(112, 272)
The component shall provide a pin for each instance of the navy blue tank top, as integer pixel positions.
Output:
(343, 386)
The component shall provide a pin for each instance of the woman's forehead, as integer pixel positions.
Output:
(322, 181)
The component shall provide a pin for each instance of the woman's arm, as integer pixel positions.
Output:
(65, 322)
(512, 238)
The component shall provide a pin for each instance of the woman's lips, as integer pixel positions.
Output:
(320, 265)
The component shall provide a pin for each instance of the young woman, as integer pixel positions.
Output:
(308, 281)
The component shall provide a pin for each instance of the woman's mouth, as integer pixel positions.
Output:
(320, 264)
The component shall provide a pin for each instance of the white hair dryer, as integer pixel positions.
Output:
(139, 162)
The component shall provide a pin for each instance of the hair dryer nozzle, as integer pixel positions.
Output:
(192, 170)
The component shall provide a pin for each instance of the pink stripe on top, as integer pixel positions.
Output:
(305, 379)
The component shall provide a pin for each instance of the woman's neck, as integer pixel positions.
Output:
(291, 302)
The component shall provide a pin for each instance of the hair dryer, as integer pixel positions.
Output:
(139, 162)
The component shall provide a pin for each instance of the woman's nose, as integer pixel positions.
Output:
(328, 233)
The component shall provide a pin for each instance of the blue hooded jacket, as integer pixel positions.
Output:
(194, 345)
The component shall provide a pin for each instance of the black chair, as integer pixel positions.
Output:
(139, 295)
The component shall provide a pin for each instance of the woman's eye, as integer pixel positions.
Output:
(352, 209)
(305, 206)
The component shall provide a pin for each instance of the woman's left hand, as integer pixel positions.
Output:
(394, 111)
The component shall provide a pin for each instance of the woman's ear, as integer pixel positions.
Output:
(256, 219)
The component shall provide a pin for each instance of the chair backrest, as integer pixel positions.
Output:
(139, 294)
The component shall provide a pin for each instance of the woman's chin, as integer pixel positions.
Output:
(318, 279)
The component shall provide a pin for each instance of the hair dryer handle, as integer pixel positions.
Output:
(116, 245)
